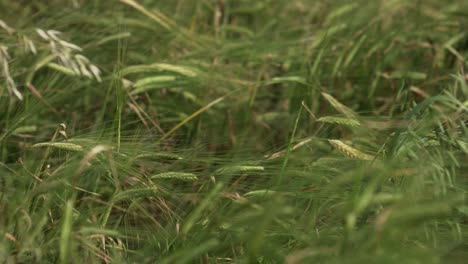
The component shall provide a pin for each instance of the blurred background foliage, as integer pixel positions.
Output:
(219, 131)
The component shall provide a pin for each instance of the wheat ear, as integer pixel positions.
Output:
(176, 175)
(349, 151)
(59, 145)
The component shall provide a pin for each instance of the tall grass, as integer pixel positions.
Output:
(233, 131)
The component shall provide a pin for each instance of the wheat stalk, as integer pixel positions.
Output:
(59, 145)
(349, 151)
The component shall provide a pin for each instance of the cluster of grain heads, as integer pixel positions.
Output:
(26, 42)
(5, 69)
(183, 176)
(28, 46)
(70, 62)
(349, 151)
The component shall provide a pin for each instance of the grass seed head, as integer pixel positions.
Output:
(340, 120)
(59, 145)
(349, 151)
(239, 169)
(184, 176)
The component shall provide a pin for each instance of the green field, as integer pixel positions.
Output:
(233, 131)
